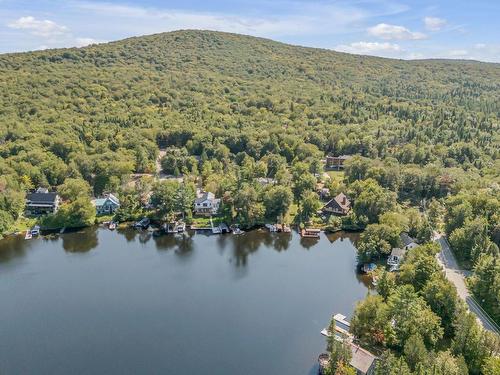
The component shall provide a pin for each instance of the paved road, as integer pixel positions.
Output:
(457, 277)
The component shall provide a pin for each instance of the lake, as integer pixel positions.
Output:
(124, 302)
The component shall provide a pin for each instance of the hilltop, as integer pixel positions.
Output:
(101, 111)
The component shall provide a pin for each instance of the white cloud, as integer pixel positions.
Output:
(458, 53)
(300, 19)
(44, 28)
(434, 23)
(388, 32)
(371, 48)
(82, 42)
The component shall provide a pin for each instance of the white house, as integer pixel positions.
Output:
(206, 204)
(396, 257)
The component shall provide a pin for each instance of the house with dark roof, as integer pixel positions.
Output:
(106, 205)
(336, 162)
(340, 205)
(41, 202)
(408, 242)
(206, 204)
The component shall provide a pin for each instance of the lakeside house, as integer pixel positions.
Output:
(336, 162)
(206, 204)
(106, 205)
(42, 202)
(396, 257)
(398, 254)
(340, 205)
(408, 242)
(361, 359)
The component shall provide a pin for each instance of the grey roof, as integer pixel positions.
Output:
(41, 197)
(406, 239)
(340, 157)
(205, 196)
(398, 252)
(362, 360)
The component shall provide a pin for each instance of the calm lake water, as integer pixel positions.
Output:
(103, 302)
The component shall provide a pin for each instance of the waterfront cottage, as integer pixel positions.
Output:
(362, 360)
(408, 242)
(42, 202)
(396, 257)
(206, 204)
(336, 162)
(340, 205)
(106, 205)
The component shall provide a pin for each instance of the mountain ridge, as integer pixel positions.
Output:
(431, 59)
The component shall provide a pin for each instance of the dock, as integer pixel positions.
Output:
(310, 232)
(361, 359)
(342, 327)
(215, 229)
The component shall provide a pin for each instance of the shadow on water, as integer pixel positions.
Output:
(181, 243)
(244, 245)
(128, 233)
(342, 236)
(80, 241)
(13, 247)
(308, 242)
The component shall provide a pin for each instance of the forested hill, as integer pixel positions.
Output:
(101, 111)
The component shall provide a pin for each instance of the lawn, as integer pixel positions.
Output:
(337, 176)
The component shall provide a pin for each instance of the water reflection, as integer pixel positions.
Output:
(182, 243)
(162, 297)
(351, 236)
(13, 247)
(80, 242)
(308, 242)
(128, 233)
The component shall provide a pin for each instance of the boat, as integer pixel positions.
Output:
(35, 231)
(112, 225)
(143, 223)
(237, 231)
(368, 267)
(271, 227)
(181, 227)
(28, 235)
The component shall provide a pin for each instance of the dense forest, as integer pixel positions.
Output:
(230, 110)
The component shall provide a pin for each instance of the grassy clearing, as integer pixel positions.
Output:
(337, 176)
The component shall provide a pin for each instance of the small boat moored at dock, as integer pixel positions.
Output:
(271, 227)
(35, 231)
(143, 223)
(237, 230)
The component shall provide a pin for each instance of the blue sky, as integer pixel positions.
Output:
(406, 29)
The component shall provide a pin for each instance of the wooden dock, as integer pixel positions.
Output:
(310, 232)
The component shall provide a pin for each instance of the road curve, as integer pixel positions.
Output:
(457, 277)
